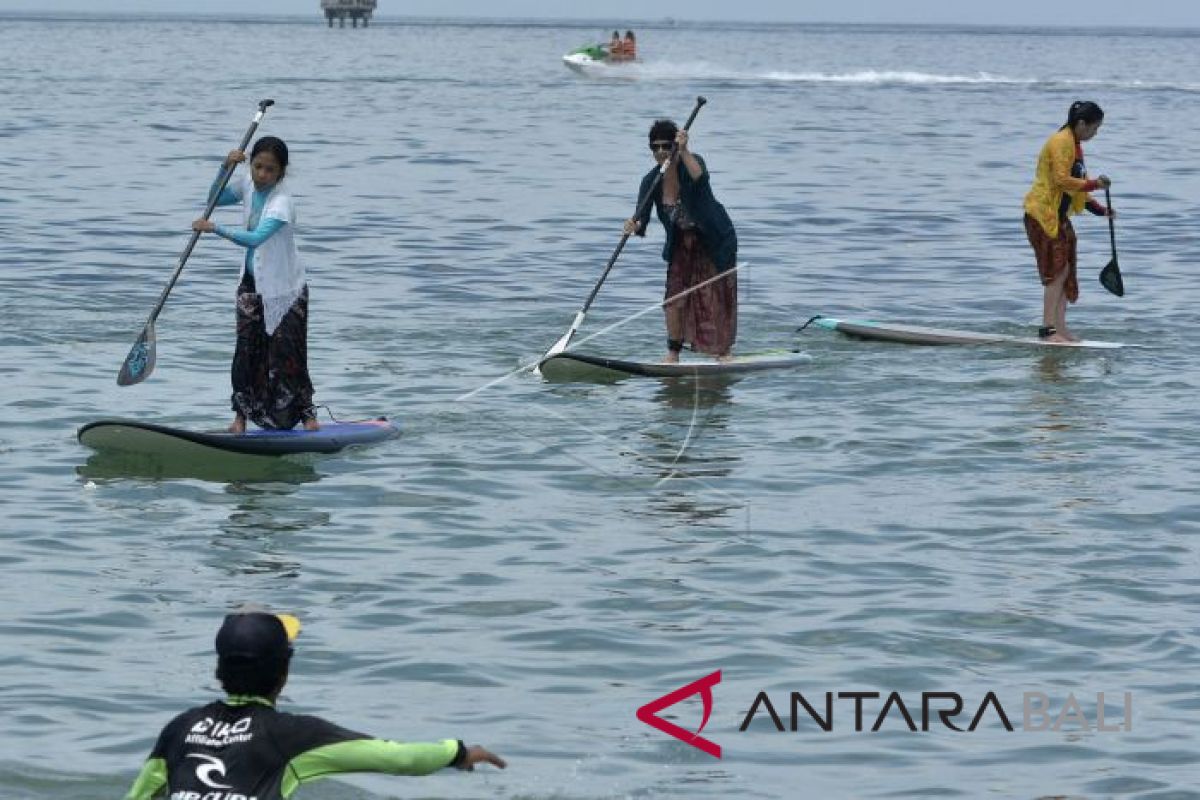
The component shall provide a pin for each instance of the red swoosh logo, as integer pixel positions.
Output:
(703, 687)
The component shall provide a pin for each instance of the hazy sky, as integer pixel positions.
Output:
(1161, 13)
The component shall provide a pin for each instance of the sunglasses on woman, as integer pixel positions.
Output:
(665, 146)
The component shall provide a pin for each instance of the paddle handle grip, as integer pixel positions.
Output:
(700, 101)
(227, 173)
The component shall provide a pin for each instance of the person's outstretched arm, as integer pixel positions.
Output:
(381, 755)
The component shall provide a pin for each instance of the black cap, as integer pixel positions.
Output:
(257, 637)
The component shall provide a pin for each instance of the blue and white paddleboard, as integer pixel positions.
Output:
(916, 334)
(130, 436)
(574, 366)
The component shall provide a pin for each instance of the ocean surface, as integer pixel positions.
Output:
(531, 562)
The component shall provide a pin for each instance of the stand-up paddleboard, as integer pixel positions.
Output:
(916, 334)
(574, 366)
(129, 436)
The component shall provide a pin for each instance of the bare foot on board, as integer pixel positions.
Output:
(238, 426)
(311, 424)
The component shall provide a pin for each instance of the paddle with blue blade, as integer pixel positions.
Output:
(1110, 276)
(140, 361)
(565, 339)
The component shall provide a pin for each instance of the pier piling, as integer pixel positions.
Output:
(354, 10)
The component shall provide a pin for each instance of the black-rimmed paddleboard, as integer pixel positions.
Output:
(147, 438)
(916, 334)
(572, 366)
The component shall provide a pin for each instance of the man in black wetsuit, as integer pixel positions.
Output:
(241, 748)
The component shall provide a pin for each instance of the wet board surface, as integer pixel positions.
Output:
(131, 436)
(916, 334)
(582, 366)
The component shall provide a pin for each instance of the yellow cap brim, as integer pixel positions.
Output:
(291, 625)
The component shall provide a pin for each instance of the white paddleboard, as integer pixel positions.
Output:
(573, 366)
(916, 334)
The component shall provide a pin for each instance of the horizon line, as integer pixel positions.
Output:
(581, 21)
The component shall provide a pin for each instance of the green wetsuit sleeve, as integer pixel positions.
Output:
(369, 755)
(151, 781)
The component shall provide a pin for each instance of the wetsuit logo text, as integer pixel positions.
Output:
(210, 733)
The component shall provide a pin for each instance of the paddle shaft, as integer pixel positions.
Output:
(642, 206)
(226, 174)
(1112, 233)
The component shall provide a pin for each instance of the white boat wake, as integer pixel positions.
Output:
(681, 71)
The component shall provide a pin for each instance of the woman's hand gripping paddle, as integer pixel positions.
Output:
(1110, 276)
(562, 343)
(140, 361)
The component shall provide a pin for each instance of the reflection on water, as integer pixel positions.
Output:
(1058, 389)
(1051, 398)
(687, 452)
(1063, 429)
(1049, 367)
(258, 535)
(703, 392)
(676, 444)
(111, 466)
(262, 486)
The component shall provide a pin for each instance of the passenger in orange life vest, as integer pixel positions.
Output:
(616, 50)
(630, 46)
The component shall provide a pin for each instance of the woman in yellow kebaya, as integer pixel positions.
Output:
(1060, 188)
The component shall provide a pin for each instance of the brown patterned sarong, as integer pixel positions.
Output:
(709, 314)
(271, 386)
(1054, 254)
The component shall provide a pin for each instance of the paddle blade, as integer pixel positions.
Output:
(560, 345)
(140, 361)
(565, 339)
(1110, 278)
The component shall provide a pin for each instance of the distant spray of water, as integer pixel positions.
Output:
(698, 70)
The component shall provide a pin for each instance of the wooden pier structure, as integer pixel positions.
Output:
(354, 10)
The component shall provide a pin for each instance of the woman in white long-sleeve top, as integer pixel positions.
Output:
(271, 385)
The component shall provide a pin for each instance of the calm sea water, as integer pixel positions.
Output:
(527, 568)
